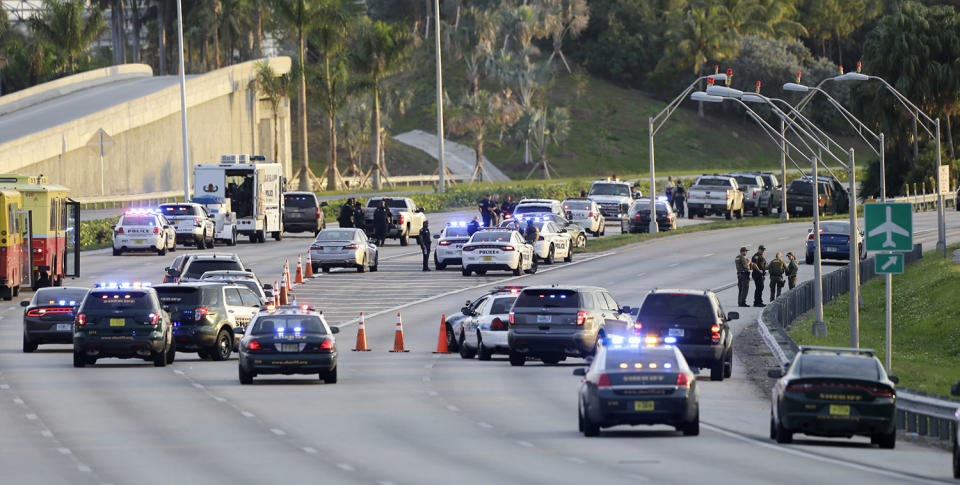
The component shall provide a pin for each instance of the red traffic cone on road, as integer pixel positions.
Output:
(298, 278)
(275, 292)
(361, 337)
(442, 338)
(308, 269)
(398, 337)
(284, 300)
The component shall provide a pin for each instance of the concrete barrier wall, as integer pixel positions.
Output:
(223, 116)
(69, 84)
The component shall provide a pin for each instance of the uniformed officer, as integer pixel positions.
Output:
(473, 226)
(759, 266)
(486, 210)
(531, 234)
(346, 214)
(792, 269)
(743, 264)
(381, 219)
(777, 268)
(358, 216)
(425, 243)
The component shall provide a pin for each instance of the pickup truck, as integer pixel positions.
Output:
(407, 218)
(772, 193)
(753, 190)
(715, 194)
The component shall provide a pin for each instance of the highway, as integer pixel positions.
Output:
(417, 417)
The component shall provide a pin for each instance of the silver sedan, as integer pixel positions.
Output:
(343, 248)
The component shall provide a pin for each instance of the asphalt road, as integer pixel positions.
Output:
(415, 417)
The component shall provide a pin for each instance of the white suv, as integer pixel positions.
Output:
(201, 263)
(192, 222)
(586, 214)
(143, 230)
(450, 244)
(527, 207)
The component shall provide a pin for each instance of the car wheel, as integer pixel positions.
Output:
(533, 267)
(222, 347)
(159, 359)
(483, 353)
(376, 263)
(465, 272)
(519, 269)
(162, 252)
(517, 359)
(203, 354)
(245, 377)
(569, 257)
(550, 256)
(481, 272)
(693, 427)
(173, 246)
(956, 456)
(211, 243)
(716, 371)
(783, 435)
(315, 267)
(200, 244)
(325, 269)
(452, 344)
(729, 214)
(117, 252)
(773, 428)
(728, 364)
(581, 240)
(603, 228)
(437, 264)
(465, 353)
(756, 211)
(28, 346)
(579, 419)
(404, 239)
(79, 360)
(330, 376)
(233, 239)
(362, 266)
(590, 429)
(691, 214)
(172, 352)
(887, 441)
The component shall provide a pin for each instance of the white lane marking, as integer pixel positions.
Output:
(783, 238)
(816, 456)
(453, 408)
(344, 466)
(31, 416)
(278, 431)
(219, 399)
(64, 451)
(707, 255)
(640, 274)
(18, 401)
(178, 371)
(84, 468)
(46, 433)
(525, 444)
(576, 460)
(248, 414)
(485, 425)
(4, 386)
(639, 478)
(674, 265)
(433, 393)
(307, 449)
(198, 385)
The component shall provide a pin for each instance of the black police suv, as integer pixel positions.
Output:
(288, 340)
(694, 321)
(636, 385)
(834, 392)
(200, 317)
(126, 322)
(302, 212)
(48, 316)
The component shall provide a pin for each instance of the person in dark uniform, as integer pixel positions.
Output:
(425, 242)
(531, 234)
(679, 197)
(792, 269)
(506, 208)
(759, 266)
(486, 210)
(358, 221)
(743, 264)
(381, 218)
(346, 214)
(777, 269)
(473, 226)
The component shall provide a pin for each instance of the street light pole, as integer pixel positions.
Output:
(854, 261)
(441, 169)
(784, 214)
(819, 326)
(654, 227)
(183, 106)
(941, 222)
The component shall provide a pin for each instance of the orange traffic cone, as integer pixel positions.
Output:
(398, 337)
(308, 269)
(298, 279)
(442, 338)
(275, 291)
(286, 274)
(361, 337)
(283, 293)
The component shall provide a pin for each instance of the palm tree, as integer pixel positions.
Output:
(477, 115)
(565, 18)
(778, 16)
(380, 51)
(695, 36)
(68, 29)
(473, 42)
(547, 127)
(275, 88)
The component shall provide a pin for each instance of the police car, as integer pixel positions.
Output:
(193, 224)
(586, 213)
(451, 240)
(123, 320)
(554, 242)
(483, 330)
(288, 340)
(498, 249)
(144, 230)
(538, 206)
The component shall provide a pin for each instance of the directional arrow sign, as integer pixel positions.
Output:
(888, 263)
(888, 226)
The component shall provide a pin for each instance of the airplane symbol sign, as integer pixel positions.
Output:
(889, 227)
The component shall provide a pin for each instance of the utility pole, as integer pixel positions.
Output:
(442, 167)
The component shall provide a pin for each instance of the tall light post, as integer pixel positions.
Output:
(183, 106)
(653, 126)
(441, 168)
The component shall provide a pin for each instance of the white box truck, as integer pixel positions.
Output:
(254, 188)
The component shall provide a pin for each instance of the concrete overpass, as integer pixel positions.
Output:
(53, 128)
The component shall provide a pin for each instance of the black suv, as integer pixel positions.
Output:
(204, 321)
(302, 212)
(553, 322)
(124, 322)
(694, 321)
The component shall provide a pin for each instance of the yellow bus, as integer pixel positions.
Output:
(11, 244)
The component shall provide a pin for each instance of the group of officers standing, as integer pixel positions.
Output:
(757, 267)
(351, 215)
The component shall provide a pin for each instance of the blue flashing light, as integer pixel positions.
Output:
(456, 224)
(667, 365)
(616, 340)
(670, 340)
(634, 340)
(662, 198)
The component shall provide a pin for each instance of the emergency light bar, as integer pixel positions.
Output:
(136, 285)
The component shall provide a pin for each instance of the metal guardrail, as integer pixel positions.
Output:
(924, 415)
(922, 202)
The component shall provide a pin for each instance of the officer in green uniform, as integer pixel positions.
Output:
(777, 268)
(742, 264)
(759, 267)
(792, 269)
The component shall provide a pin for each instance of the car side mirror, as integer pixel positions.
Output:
(173, 272)
(580, 371)
(733, 316)
(335, 329)
(419, 209)
(775, 373)
(25, 303)
(323, 203)
(268, 286)
(436, 236)
(896, 380)
(625, 309)
(466, 311)
(955, 389)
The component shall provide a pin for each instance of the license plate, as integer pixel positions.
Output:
(643, 405)
(799, 208)
(675, 332)
(840, 410)
(831, 249)
(543, 318)
(290, 347)
(707, 206)
(487, 259)
(138, 241)
(118, 322)
(64, 327)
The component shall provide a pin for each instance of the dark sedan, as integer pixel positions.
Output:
(288, 340)
(834, 392)
(638, 218)
(48, 317)
(834, 242)
(634, 385)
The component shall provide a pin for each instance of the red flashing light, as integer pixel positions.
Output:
(859, 66)
(444, 242)
(729, 72)
(637, 328)
(716, 68)
(799, 75)
(841, 69)
(508, 248)
(511, 318)
(590, 215)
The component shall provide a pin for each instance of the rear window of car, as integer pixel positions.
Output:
(335, 235)
(841, 227)
(187, 297)
(457, 232)
(576, 205)
(645, 361)
(801, 187)
(288, 325)
(491, 236)
(676, 305)
(197, 268)
(179, 210)
(502, 305)
(852, 366)
(119, 299)
(528, 209)
(747, 180)
(390, 203)
(713, 182)
(299, 201)
(54, 296)
(548, 298)
(138, 221)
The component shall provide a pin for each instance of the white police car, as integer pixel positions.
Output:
(450, 244)
(483, 330)
(586, 213)
(554, 242)
(498, 249)
(144, 230)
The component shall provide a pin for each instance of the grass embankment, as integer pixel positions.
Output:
(926, 340)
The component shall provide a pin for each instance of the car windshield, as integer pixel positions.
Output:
(118, 299)
(502, 305)
(178, 210)
(610, 189)
(336, 235)
(528, 209)
(576, 205)
(548, 298)
(713, 182)
(53, 296)
(837, 227)
(299, 201)
(676, 305)
(137, 221)
(457, 231)
(197, 268)
(852, 366)
(491, 236)
(288, 324)
(178, 298)
(647, 360)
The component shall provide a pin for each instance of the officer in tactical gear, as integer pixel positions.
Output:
(425, 242)
(777, 269)
(759, 266)
(743, 264)
(531, 234)
(792, 269)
